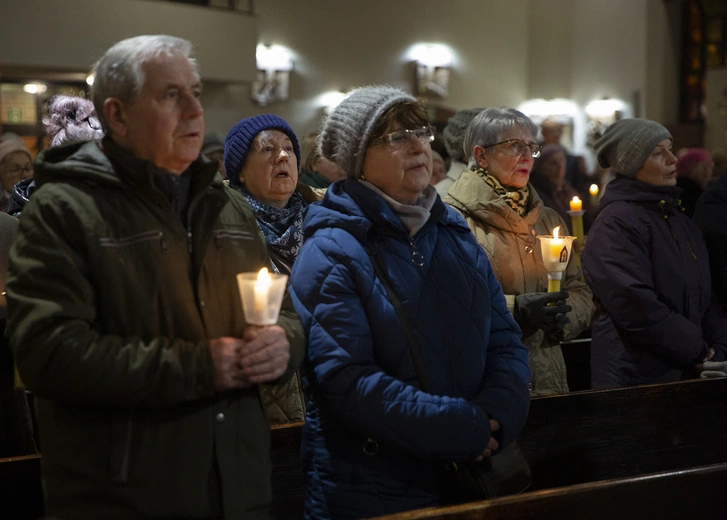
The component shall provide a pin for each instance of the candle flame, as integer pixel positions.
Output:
(263, 279)
(555, 232)
(593, 190)
(576, 200)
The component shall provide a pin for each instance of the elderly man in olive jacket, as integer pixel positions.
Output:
(124, 316)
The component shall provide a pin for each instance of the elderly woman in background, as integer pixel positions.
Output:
(649, 269)
(70, 119)
(16, 164)
(429, 368)
(506, 214)
(548, 179)
(439, 169)
(261, 161)
(316, 171)
(694, 173)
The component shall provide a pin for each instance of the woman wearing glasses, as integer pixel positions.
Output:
(506, 214)
(429, 368)
(71, 119)
(16, 164)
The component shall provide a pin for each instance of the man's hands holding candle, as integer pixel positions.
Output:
(532, 312)
(261, 356)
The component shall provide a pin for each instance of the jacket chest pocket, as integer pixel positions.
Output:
(126, 243)
(230, 239)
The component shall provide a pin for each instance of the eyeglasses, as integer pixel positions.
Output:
(93, 122)
(517, 147)
(20, 169)
(401, 138)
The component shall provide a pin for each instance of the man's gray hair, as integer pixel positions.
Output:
(120, 71)
(489, 125)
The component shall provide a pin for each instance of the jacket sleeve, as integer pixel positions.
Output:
(343, 367)
(617, 266)
(505, 395)
(711, 217)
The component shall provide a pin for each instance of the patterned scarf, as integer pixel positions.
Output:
(516, 198)
(281, 227)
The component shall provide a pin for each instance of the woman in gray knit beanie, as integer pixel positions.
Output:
(381, 250)
(648, 267)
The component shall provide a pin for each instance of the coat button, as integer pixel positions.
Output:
(202, 303)
(528, 248)
(220, 417)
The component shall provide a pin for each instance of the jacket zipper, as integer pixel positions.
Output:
(416, 257)
(135, 239)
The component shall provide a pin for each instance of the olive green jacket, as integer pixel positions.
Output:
(514, 251)
(111, 302)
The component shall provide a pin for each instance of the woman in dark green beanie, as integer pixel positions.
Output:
(648, 268)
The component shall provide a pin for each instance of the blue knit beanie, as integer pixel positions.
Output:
(241, 137)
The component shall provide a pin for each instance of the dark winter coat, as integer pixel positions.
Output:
(648, 268)
(711, 217)
(112, 299)
(363, 381)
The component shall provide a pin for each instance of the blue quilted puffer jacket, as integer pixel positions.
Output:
(371, 436)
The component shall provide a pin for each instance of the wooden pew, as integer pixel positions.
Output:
(568, 440)
(676, 495)
(21, 496)
(597, 435)
(581, 437)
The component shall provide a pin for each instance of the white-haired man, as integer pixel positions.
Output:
(123, 313)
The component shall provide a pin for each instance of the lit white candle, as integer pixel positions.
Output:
(262, 289)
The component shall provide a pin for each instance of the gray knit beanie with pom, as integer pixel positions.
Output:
(627, 143)
(455, 130)
(346, 132)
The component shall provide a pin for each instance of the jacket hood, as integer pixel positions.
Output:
(83, 160)
(101, 162)
(472, 195)
(627, 189)
(351, 206)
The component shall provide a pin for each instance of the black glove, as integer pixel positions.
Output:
(532, 312)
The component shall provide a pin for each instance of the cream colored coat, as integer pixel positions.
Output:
(514, 251)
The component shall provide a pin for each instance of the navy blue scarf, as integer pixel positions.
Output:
(281, 228)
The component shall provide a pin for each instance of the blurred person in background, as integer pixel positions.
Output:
(213, 148)
(454, 144)
(16, 164)
(439, 169)
(70, 119)
(316, 171)
(694, 173)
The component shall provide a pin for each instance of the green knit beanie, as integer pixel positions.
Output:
(626, 144)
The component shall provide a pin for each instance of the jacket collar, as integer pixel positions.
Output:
(628, 189)
(472, 195)
(139, 173)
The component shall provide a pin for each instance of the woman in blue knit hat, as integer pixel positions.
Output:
(648, 268)
(262, 157)
(261, 160)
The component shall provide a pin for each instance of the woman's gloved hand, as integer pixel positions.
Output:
(532, 312)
